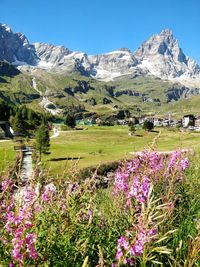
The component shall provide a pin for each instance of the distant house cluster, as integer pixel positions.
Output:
(188, 121)
(155, 120)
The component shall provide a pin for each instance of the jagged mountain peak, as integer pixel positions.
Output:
(166, 32)
(50, 55)
(15, 47)
(158, 44)
(162, 56)
(5, 27)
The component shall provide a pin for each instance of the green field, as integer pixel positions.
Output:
(96, 145)
(7, 155)
(105, 144)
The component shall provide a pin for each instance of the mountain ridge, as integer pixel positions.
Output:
(160, 56)
(157, 76)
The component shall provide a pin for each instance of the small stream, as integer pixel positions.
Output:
(27, 165)
(26, 174)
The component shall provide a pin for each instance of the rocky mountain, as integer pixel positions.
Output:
(59, 58)
(50, 55)
(114, 64)
(15, 47)
(162, 57)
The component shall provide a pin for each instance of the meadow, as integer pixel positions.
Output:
(96, 145)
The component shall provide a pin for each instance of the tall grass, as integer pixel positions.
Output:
(147, 216)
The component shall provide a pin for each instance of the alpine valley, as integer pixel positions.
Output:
(155, 79)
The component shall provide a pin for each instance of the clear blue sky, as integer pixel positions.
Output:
(99, 26)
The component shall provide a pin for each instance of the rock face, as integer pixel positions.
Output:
(175, 93)
(50, 55)
(59, 58)
(160, 56)
(114, 64)
(15, 48)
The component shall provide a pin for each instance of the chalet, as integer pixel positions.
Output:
(141, 120)
(155, 120)
(188, 120)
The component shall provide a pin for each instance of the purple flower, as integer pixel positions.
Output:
(185, 164)
(139, 189)
(119, 254)
(17, 256)
(137, 249)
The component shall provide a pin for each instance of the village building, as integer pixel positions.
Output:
(188, 120)
(155, 120)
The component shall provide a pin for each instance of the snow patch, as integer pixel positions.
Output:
(44, 64)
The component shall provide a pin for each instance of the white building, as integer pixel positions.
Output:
(188, 120)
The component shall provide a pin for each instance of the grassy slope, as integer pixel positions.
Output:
(151, 87)
(17, 87)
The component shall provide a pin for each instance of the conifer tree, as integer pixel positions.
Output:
(42, 140)
(70, 121)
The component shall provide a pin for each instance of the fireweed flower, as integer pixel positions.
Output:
(127, 247)
(6, 183)
(177, 164)
(185, 164)
(139, 189)
(49, 191)
(134, 180)
(18, 225)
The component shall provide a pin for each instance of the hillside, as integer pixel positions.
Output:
(86, 96)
